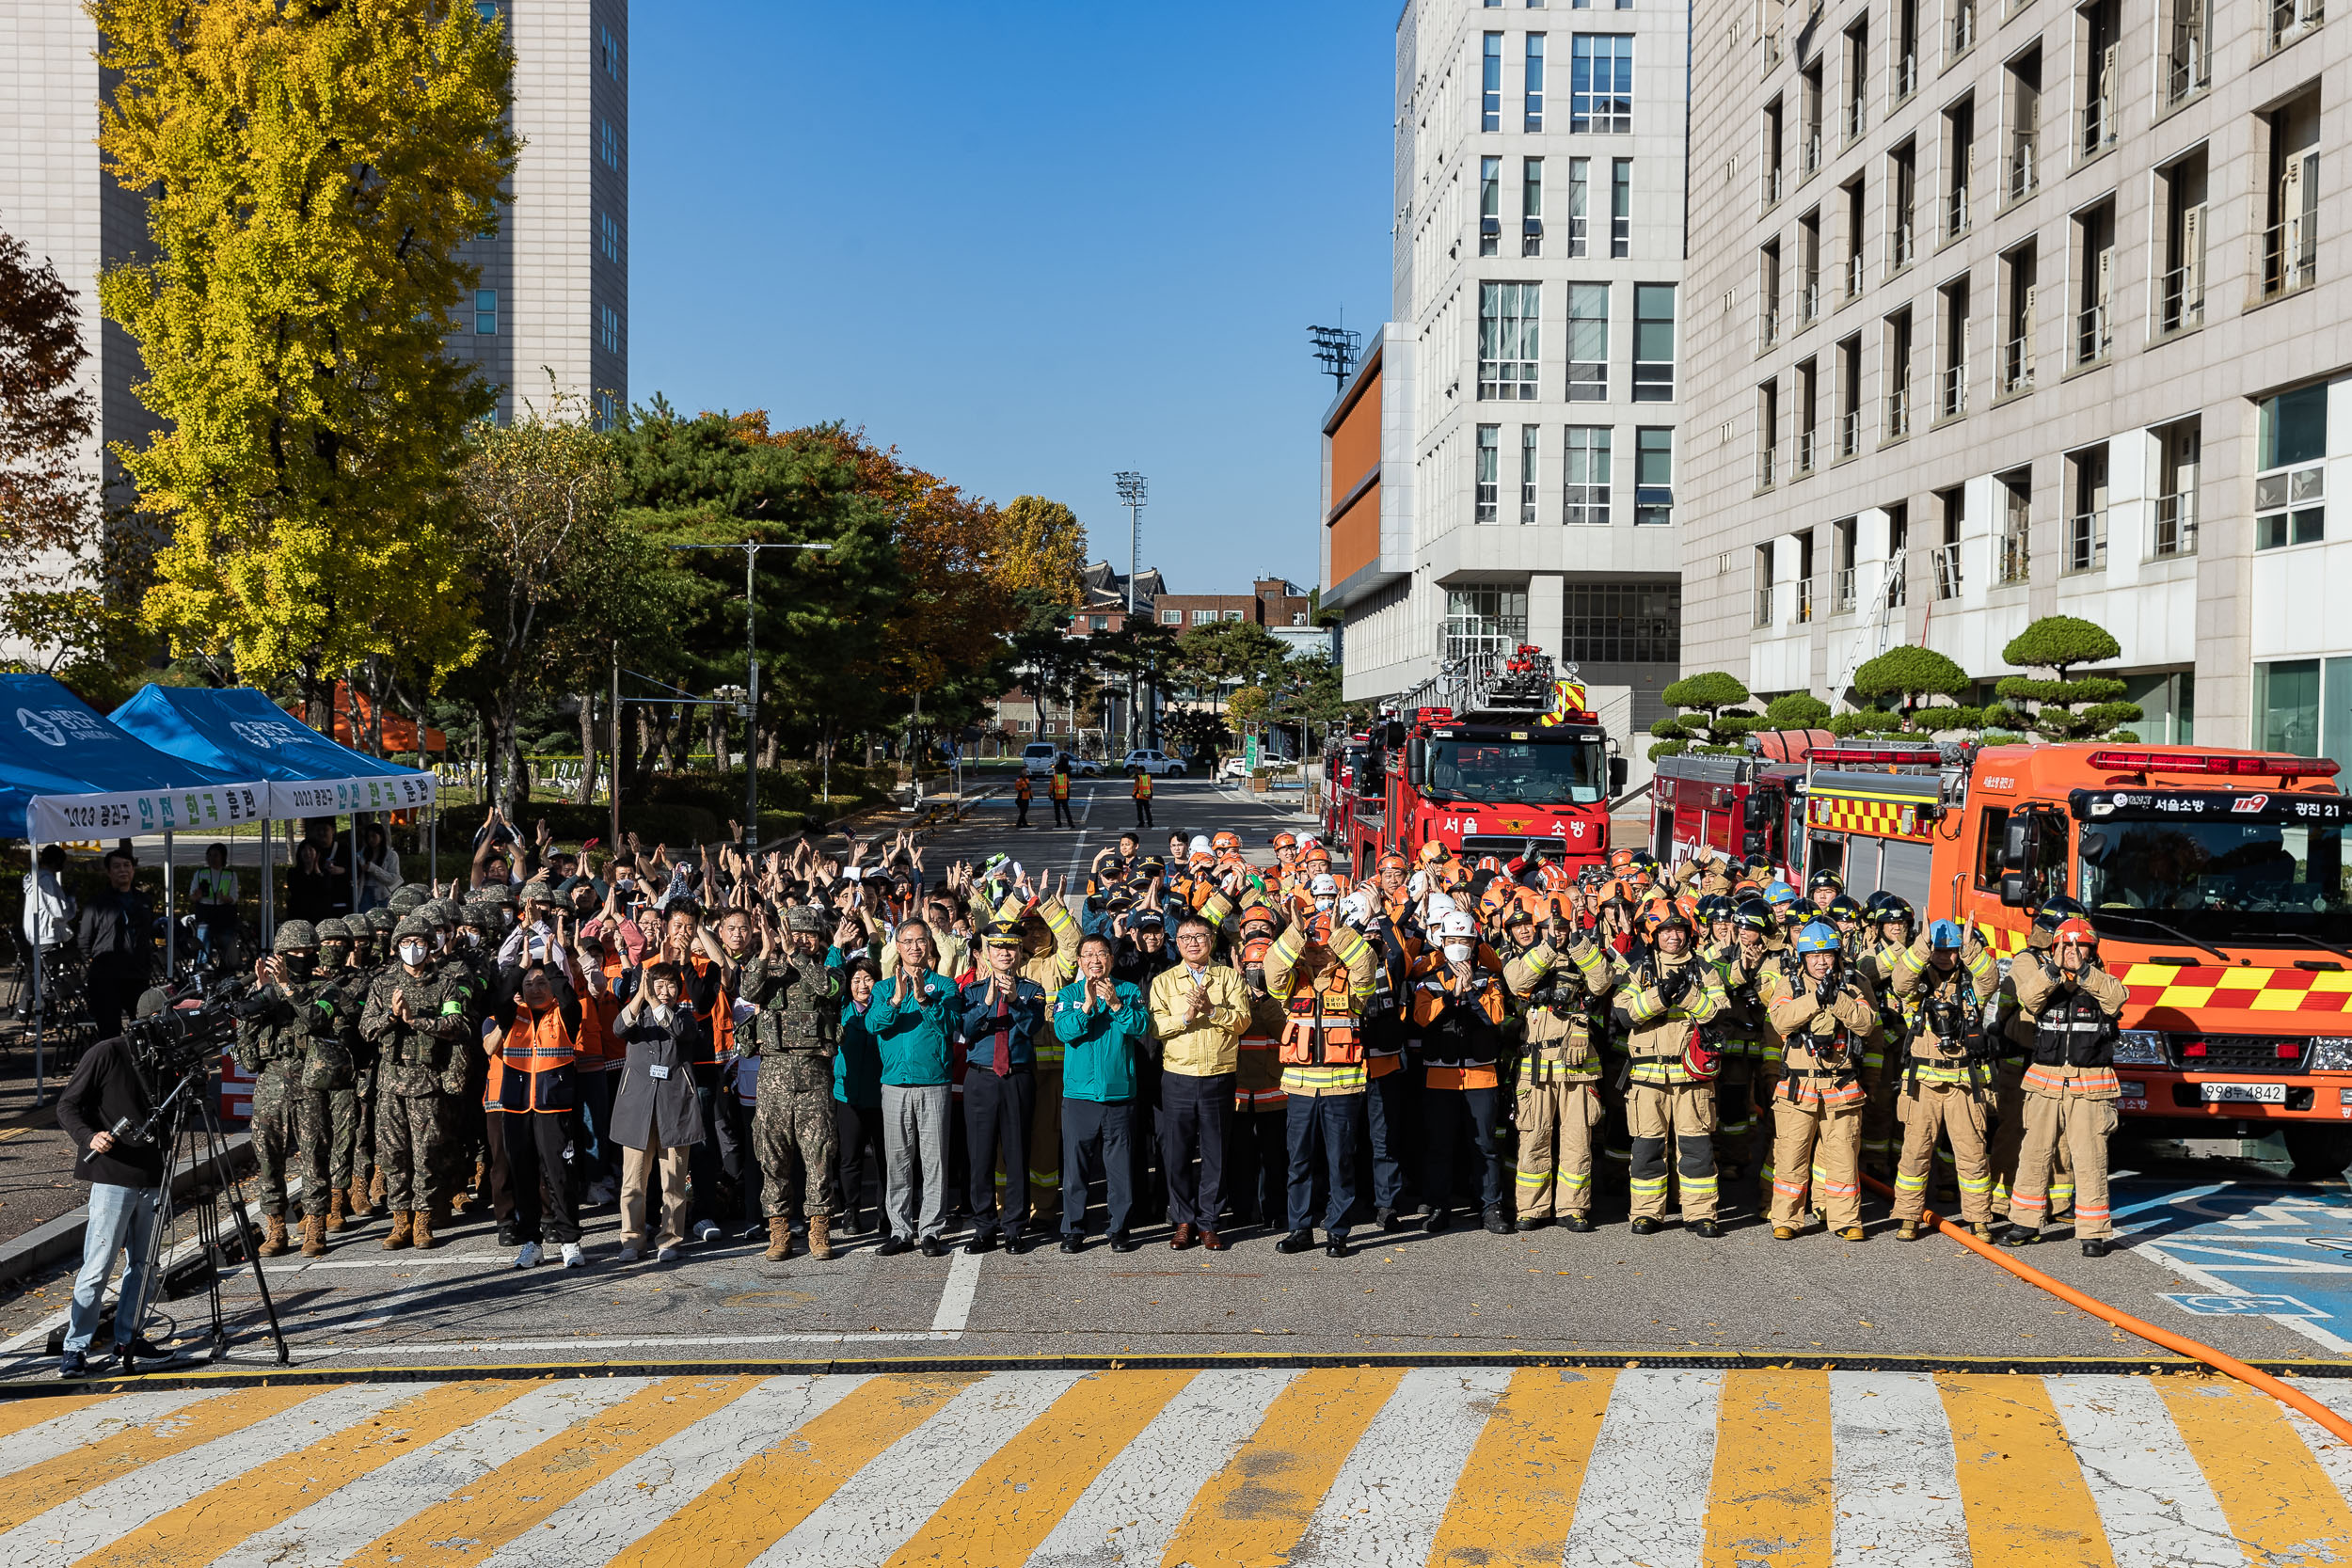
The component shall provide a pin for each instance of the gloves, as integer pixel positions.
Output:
(1673, 985)
(1825, 989)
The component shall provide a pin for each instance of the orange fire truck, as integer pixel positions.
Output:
(1497, 751)
(2215, 878)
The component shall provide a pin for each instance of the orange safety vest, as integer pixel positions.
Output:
(1143, 786)
(1062, 786)
(524, 1063)
(1021, 790)
(1322, 1030)
(720, 1018)
(1257, 1043)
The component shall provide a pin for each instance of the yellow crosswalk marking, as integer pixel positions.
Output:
(17, 1415)
(39, 1488)
(1515, 1499)
(1016, 1495)
(492, 1510)
(2280, 1503)
(2027, 1502)
(1770, 1501)
(754, 1508)
(209, 1524)
(1254, 1510)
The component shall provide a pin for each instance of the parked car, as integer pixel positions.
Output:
(1157, 764)
(1087, 768)
(1235, 767)
(1037, 758)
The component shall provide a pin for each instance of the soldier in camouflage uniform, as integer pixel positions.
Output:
(273, 1035)
(798, 997)
(464, 1177)
(418, 1019)
(373, 944)
(331, 1088)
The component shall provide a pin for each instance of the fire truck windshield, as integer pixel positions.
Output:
(1575, 773)
(2218, 880)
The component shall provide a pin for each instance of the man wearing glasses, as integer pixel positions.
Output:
(1199, 1011)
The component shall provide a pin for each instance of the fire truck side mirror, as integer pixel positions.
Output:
(2017, 892)
(1416, 762)
(1396, 733)
(1618, 767)
(2021, 847)
(1756, 811)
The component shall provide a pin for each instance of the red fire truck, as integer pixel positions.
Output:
(2215, 878)
(1739, 805)
(1494, 753)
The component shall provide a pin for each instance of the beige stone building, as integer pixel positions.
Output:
(2003, 309)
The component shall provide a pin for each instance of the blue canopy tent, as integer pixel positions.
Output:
(307, 774)
(69, 773)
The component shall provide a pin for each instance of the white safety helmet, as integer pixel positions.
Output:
(1356, 908)
(1440, 905)
(1455, 926)
(1324, 885)
(1199, 846)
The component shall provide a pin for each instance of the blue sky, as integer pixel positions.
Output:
(1027, 243)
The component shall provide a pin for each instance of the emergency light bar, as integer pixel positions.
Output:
(1873, 756)
(2164, 762)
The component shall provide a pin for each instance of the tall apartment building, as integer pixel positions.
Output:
(1504, 467)
(2006, 308)
(555, 290)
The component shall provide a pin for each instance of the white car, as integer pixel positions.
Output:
(1037, 758)
(1157, 764)
(1235, 767)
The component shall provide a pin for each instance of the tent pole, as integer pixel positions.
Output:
(354, 863)
(269, 880)
(171, 921)
(40, 1010)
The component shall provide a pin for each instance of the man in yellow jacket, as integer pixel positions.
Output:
(1198, 1011)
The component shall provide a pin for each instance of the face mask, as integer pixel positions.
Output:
(1458, 952)
(300, 965)
(472, 938)
(412, 952)
(1323, 906)
(506, 919)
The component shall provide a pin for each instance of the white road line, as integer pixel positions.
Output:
(2153, 1502)
(1077, 850)
(62, 1434)
(587, 1347)
(633, 1500)
(345, 1520)
(2220, 1287)
(876, 1510)
(2334, 1455)
(83, 1524)
(1896, 1494)
(1132, 1509)
(955, 1298)
(1644, 1495)
(1385, 1505)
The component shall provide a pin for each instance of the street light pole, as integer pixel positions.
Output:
(1130, 491)
(751, 548)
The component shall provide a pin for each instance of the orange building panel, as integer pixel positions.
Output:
(1355, 535)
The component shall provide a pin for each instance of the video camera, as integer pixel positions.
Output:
(184, 1039)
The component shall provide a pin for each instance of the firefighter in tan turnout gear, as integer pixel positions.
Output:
(1562, 977)
(1946, 1068)
(1670, 994)
(2071, 1005)
(1826, 1019)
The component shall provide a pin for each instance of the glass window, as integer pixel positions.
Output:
(1621, 623)
(2290, 490)
(1481, 620)
(1576, 771)
(485, 311)
(1490, 86)
(609, 50)
(1588, 342)
(1621, 207)
(608, 145)
(607, 411)
(2286, 707)
(1653, 342)
(609, 328)
(1653, 475)
(609, 236)
(1097, 623)
(1534, 115)
(1530, 207)
(1527, 473)
(1489, 205)
(1171, 617)
(1489, 473)
(1585, 463)
(1507, 341)
(1600, 83)
(1579, 192)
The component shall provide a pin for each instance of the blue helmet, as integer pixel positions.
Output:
(1777, 894)
(1945, 933)
(1818, 936)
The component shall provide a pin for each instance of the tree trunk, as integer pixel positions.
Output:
(718, 738)
(587, 793)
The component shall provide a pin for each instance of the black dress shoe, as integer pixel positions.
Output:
(1578, 1222)
(894, 1246)
(1297, 1240)
(1125, 1243)
(1709, 1228)
(1335, 1246)
(982, 1240)
(931, 1247)
(146, 1349)
(1073, 1244)
(1646, 1226)
(1496, 1224)
(1439, 1220)
(509, 1236)
(2097, 1247)
(1016, 1245)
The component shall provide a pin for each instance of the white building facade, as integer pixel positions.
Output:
(1506, 465)
(2009, 308)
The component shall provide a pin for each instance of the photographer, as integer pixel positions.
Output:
(104, 1102)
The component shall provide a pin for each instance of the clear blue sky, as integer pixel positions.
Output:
(1027, 243)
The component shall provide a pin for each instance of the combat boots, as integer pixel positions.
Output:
(421, 1223)
(400, 1237)
(819, 1236)
(375, 1194)
(274, 1242)
(338, 1211)
(357, 1208)
(315, 1234)
(779, 1238)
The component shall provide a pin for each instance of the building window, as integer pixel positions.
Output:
(1588, 342)
(1490, 86)
(1527, 473)
(1489, 205)
(1530, 207)
(1585, 463)
(609, 328)
(2290, 248)
(1203, 617)
(486, 10)
(1097, 623)
(1232, 615)
(1483, 621)
(2286, 707)
(1653, 342)
(1621, 207)
(608, 53)
(1600, 84)
(1489, 473)
(608, 236)
(1171, 617)
(2291, 486)
(1653, 476)
(2176, 490)
(608, 145)
(485, 311)
(1579, 192)
(1507, 341)
(607, 411)
(1621, 623)
(1534, 107)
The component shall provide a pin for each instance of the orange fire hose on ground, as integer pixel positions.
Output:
(2285, 1393)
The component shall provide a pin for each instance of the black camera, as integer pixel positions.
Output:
(183, 1039)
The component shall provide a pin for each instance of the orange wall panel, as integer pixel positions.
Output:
(1355, 535)
(1355, 443)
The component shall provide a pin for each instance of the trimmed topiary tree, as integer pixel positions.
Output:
(2066, 706)
(1704, 726)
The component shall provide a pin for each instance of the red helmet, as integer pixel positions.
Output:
(2078, 931)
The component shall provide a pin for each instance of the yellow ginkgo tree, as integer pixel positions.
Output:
(310, 173)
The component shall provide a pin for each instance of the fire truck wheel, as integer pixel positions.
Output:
(2320, 1153)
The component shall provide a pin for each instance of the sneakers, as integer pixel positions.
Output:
(706, 1229)
(529, 1255)
(631, 1255)
(74, 1363)
(667, 1255)
(573, 1257)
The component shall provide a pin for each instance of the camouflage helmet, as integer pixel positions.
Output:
(441, 911)
(538, 891)
(331, 929)
(406, 898)
(804, 917)
(480, 913)
(381, 922)
(413, 924)
(496, 893)
(294, 934)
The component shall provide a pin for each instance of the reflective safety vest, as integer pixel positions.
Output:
(1021, 790)
(1062, 786)
(1322, 1027)
(526, 1060)
(1143, 786)
(1258, 1076)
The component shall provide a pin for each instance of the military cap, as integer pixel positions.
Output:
(802, 917)
(294, 934)
(407, 898)
(1001, 933)
(412, 925)
(331, 929)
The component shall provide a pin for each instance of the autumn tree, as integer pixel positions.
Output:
(1040, 548)
(310, 173)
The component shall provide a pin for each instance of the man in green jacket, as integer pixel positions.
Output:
(1102, 1024)
(912, 1020)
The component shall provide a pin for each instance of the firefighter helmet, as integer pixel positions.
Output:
(1752, 915)
(2076, 930)
(1945, 933)
(1822, 878)
(1818, 936)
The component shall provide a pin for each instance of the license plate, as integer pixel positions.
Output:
(2258, 1094)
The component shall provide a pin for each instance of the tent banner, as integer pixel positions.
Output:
(66, 818)
(342, 797)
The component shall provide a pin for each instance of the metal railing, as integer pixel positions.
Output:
(2290, 256)
(2187, 72)
(1906, 76)
(2025, 164)
(1804, 599)
(2291, 18)
(1857, 121)
(1806, 445)
(2017, 365)
(2086, 541)
(1897, 581)
(1769, 327)
(1849, 433)
(1900, 249)
(2176, 524)
(2016, 561)
(1955, 388)
(1764, 604)
(2180, 298)
(1842, 591)
(1944, 561)
(2098, 126)
(1813, 150)
(2095, 334)
(1775, 183)
(1765, 468)
(1956, 213)
(1897, 414)
(1965, 27)
(1854, 269)
(1810, 298)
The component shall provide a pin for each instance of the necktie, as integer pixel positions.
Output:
(1004, 1041)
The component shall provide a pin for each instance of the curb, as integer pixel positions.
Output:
(46, 1246)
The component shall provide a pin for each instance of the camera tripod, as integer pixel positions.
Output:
(186, 1115)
